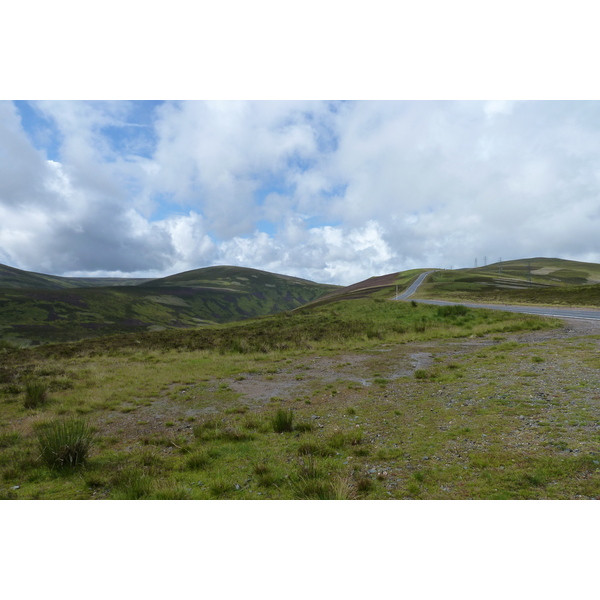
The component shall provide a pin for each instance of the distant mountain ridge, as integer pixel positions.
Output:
(38, 308)
(11, 277)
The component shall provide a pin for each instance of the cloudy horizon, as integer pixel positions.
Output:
(334, 192)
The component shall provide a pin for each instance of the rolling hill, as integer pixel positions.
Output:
(17, 279)
(37, 308)
(550, 281)
(381, 286)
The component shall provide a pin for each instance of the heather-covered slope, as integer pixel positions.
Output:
(212, 295)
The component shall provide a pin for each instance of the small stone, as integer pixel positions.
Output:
(237, 486)
(15, 487)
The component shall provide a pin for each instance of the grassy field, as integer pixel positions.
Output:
(353, 399)
(530, 281)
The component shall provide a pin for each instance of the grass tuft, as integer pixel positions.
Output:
(198, 460)
(132, 483)
(343, 488)
(283, 420)
(36, 393)
(65, 443)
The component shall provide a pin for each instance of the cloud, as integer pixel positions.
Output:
(215, 157)
(23, 169)
(74, 216)
(331, 191)
(320, 253)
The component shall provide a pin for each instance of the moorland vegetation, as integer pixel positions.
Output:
(543, 281)
(351, 396)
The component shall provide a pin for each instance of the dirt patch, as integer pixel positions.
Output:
(344, 379)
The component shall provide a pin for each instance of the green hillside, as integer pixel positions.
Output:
(17, 279)
(527, 281)
(211, 295)
(381, 286)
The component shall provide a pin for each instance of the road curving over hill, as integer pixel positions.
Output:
(542, 311)
(413, 286)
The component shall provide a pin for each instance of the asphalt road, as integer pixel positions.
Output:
(545, 311)
(413, 287)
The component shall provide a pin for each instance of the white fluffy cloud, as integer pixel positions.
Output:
(328, 191)
(320, 253)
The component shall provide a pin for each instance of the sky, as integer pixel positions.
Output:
(331, 191)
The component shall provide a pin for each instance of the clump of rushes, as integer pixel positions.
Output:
(36, 393)
(65, 443)
(282, 421)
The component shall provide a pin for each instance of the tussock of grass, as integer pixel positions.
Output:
(312, 489)
(64, 443)
(314, 447)
(282, 421)
(343, 488)
(308, 468)
(303, 426)
(198, 460)
(132, 483)
(36, 393)
(220, 485)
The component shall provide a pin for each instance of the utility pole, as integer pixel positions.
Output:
(485, 261)
(475, 263)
